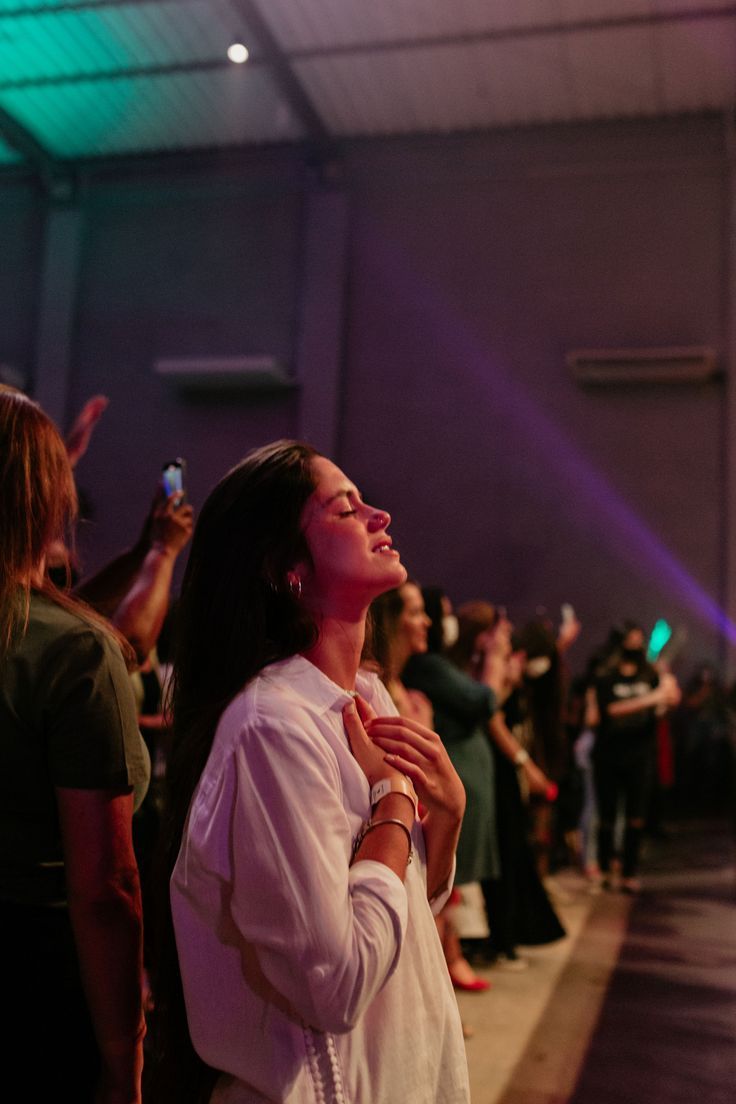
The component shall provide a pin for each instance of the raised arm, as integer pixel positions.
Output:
(79, 436)
(105, 590)
(495, 647)
(667, 693)
(141, 612)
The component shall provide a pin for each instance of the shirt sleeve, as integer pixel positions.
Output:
(438, 902)
(450, 690)
(327, 936)
(89, 718)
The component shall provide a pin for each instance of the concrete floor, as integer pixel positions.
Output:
(508, 1062)
(582, 1023)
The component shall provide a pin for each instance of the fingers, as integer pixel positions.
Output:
(406, 723)
(365, 711)
(405, 751)
(95, 407)
(182, 513)
(408, 733)
(353, 726)
(174, 503)
(412, 772)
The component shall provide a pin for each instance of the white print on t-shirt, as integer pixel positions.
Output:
(631, 689)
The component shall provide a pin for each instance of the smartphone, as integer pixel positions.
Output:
(567, 613)
(172, 477)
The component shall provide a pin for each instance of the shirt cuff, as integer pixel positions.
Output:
(438, 902)
(383, 883)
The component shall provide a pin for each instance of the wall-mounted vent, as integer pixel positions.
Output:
(614, 367)
(255, 373)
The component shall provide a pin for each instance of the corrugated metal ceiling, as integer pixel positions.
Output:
(95, 78)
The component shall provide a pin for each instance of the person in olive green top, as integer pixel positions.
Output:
(71, 766)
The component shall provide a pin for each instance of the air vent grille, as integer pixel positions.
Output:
(615, 367)
(246, 372)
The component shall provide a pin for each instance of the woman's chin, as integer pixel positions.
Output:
(401, 575)
(392, 579)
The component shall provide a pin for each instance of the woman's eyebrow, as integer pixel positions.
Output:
(343, 492)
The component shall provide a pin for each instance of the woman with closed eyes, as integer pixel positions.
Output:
(303, 883)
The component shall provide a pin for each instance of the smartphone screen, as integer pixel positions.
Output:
(173, 477)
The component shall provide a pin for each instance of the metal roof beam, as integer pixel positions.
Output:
(273, 55)
(55, 178)
(611, 22)
(129, 72)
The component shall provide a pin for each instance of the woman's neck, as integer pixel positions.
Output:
(338, 650)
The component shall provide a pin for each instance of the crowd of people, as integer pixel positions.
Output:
(339, 756)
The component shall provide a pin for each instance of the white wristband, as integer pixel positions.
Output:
(385, 786)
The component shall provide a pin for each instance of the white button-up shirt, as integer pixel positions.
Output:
(307, 980)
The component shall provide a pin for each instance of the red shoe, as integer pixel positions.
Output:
(477, 985)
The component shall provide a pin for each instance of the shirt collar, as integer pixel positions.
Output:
(307, 681)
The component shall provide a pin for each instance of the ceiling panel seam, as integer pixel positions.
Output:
(514, 33)
(77, 5)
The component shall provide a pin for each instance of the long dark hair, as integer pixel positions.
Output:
(383, 626)
(236, 615)
(434, 598)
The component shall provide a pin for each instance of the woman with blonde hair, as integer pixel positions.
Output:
(70, 758)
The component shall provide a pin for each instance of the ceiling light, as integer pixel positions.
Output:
(237, 52)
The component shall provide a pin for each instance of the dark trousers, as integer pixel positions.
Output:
(47, 1047)
(623, 778)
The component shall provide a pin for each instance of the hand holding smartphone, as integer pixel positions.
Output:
(172, 477)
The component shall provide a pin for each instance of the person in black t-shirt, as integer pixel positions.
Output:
(624, 755)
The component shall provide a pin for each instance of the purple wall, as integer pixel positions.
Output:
(475, 263)
(199, 262)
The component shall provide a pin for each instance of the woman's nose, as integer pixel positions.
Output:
(379, 519)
